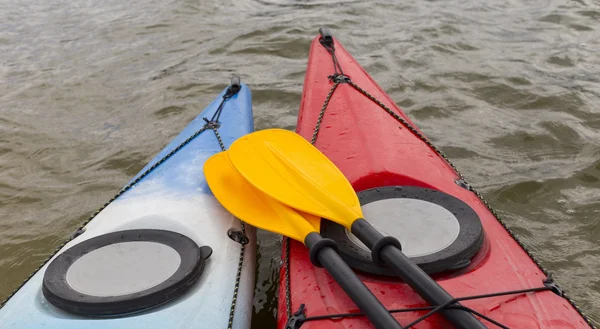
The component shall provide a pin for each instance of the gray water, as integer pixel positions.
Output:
(509, 89)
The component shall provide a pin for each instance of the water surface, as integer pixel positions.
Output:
(510, 90)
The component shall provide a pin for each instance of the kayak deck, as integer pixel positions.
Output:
(374, 148)
(170, 193)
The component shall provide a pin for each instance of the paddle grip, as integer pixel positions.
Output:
(350, 283)
(413, 275)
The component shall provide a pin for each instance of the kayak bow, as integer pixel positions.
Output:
(407, 189)
(161, 254)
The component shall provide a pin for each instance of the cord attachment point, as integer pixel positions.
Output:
(339, 78)
(238, 236)
(235, 85)
(552, 286)
(211, 124)
(462, 183)
(297, 319)
(326, 36)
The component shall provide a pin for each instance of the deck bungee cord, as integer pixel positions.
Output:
(299, 317)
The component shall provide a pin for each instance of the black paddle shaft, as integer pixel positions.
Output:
(323, 254)
(386, 250)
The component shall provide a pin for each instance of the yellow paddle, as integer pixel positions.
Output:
(283, 165)
(257, 209)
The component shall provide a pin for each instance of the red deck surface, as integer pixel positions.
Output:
(372, 149)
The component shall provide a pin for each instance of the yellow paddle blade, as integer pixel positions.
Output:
(285, 166)
(251, 205)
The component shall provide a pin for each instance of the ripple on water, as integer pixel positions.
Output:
(508, 89)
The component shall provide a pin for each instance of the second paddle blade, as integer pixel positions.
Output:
(288, 168)
(256, 208)
(251, 205)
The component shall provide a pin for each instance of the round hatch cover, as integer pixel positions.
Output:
(437, 231)
(124, 272)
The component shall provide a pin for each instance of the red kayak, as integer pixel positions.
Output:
(408, 190)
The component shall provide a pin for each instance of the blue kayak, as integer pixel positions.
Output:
(163, 253)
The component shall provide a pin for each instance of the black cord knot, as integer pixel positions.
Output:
(339, 78)
(211, 124)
